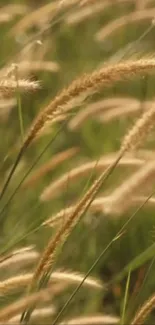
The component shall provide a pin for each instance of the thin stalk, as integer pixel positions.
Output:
(27, 173)
(132, 46)
(133, 305)
(19, 104)
(87, 274)
(119, 233)
(18, 158)
(41, 278)
(125, 299)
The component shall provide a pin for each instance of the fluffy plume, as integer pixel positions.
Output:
(50, 165)
(84, 86)
(144, 312)
(92, 320)
(98, 107)
(84, 13)
(37, 314)
(55, 187)
(18, 282)
(9, 86)
(113, 26)
(122, 197)
(136, 136)
(17, 307)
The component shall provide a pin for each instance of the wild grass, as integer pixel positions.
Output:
(64, 181)
(77, 193)
(120, 22)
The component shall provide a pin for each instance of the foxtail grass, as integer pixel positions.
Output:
(92, 320)
(60, 184)
(133, 17)
(122, 197)
(144, 312)
(46, 263)
(77, 92)
(94, 109)
(48, 166)
(18, 282)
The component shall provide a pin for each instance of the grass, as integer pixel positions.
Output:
(79, 130)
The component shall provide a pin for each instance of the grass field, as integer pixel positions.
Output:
(77, 172)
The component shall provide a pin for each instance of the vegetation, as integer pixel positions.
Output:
(77, 168)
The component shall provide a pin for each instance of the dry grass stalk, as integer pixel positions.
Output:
(97, 107)
(33, 18)
(32, 51)
(144, 312)
(48, 258)
(65, 3)
(126, 109)
(55, 187)
(49, 255)
(119, 112)
(105, 202)
(38, 66)
(139, 3)
(14, 9)
(50, 165)
(18, 258)
(96, 205)
(121, 198)
(9, 86)
(141, 199)
(75, 94)
(113, 26)
(4, 18)
(79, 90)
(20, 168)
(85, 13)
(89, 2)
(16, 252)
(41, 15)
(17, 283)
(8, 12)
(92, 320)
(8, 72)
(76, 278)
(18, 306)
(38, 315)
(139, 131)
(147, 154)
(100, 204)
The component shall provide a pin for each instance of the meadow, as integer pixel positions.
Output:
(77, 168)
